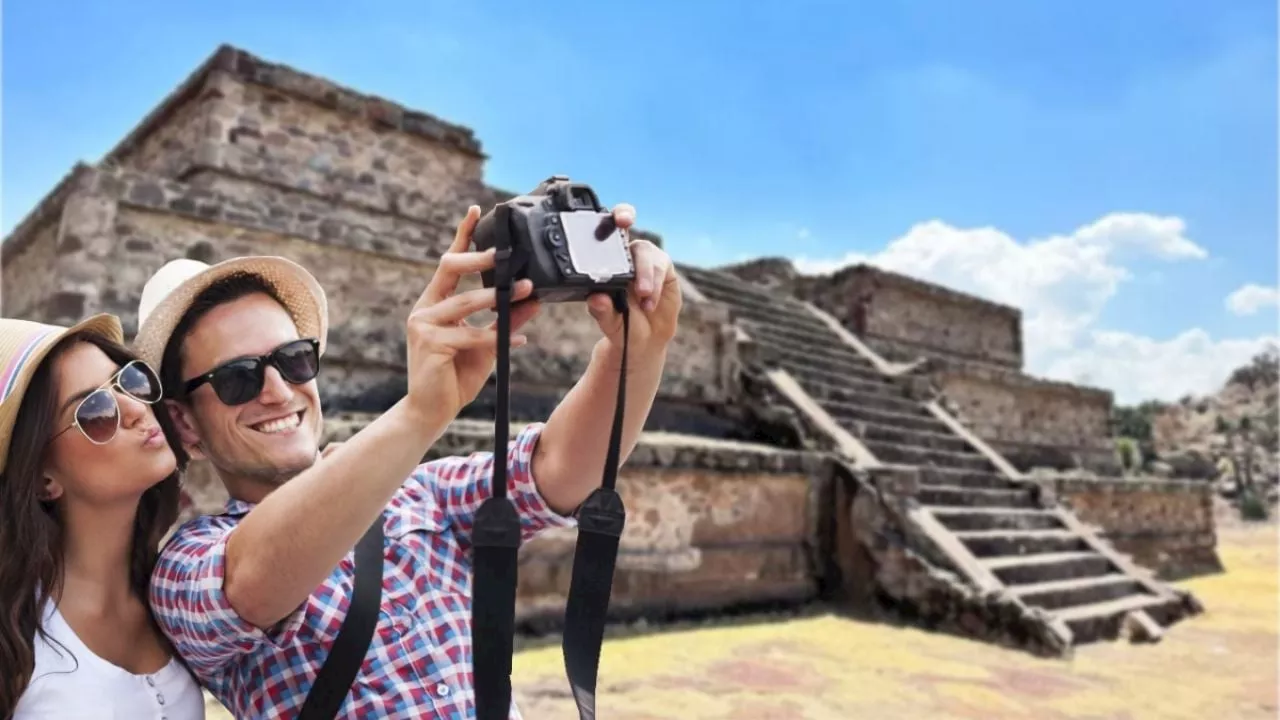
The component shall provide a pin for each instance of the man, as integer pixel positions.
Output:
(253, 597)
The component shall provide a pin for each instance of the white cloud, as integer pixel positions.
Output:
(1138, 368)
(1062, 283)
(1251, 298)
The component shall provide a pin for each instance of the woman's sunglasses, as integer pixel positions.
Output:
(240, 380)
(98, 414)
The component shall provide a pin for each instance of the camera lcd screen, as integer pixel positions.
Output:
(598, 259)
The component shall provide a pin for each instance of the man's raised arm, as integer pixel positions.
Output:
(569, 460)
(291, 541)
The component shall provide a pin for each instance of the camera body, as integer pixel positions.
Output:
(562, 239)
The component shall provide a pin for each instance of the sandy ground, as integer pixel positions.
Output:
(1221, 665)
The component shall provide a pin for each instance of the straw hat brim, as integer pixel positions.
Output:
(301, 294)
(15, 386)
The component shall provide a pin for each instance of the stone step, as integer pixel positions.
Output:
(919, 419)
(777, 314)
(832, 376)
(856, 383)
(1030, 569)
(758, 304)
(803, 360)
(993, 543)
(911, 455)
(717, 285)
(887, 433)
(854, 393)
(950, 496)
(793, 334)
(1082, 591)
(1102, 621)
(959, 477)
(965, 518)
(834, 351)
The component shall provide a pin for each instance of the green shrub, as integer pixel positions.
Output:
(1129, 456)
(1253, 506)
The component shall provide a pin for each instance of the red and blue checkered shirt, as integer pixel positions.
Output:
(419, 661)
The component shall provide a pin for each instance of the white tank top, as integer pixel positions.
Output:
(71, 683)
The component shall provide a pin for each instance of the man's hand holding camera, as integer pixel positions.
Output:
(449, 361)
(654, 297)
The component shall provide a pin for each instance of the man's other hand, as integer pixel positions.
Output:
(654, 297)
(449, 360)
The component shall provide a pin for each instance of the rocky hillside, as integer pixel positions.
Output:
(1208, 437)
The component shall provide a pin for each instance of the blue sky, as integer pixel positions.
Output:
(823, 132)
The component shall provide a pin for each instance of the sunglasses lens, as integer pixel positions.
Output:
(140, 381)
(298, 362)
(239, 382)
(99, 416)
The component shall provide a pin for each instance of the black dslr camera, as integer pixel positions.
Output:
(562, 239)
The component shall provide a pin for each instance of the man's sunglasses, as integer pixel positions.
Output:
(98, 414)
(238, 381)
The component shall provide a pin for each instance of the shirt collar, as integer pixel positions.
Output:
(237, 508)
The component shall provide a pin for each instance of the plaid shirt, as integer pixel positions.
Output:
(419, 662)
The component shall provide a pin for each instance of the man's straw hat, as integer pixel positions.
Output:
(171, 290)
(24, 344)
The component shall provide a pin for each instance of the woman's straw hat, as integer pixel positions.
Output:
(171, 290)
(23, 346)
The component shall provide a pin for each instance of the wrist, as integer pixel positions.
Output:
(640, 358)
(417, 425)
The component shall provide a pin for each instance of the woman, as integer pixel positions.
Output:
(88, 487)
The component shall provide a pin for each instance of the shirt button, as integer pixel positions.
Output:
(442, 690)
(151, 681)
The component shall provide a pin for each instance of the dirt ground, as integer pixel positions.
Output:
(1221, 665)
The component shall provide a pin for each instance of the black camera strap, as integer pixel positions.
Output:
(496, 528)
(600, 522)
(496, 534)
(333, 682)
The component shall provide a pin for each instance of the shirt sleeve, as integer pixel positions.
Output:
(460, 484)
(191, 608)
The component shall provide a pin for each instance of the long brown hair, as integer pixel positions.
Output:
(31, 535)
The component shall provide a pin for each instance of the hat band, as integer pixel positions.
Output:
(14, 369)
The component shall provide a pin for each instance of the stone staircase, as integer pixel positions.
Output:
(998, 531)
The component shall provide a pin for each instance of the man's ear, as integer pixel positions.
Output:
(184, 421)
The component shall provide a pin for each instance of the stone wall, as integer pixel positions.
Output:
(903, 318)
(1033, 422)
(364, 172)
(176, 137)
(25, 283)
(1165, 525)
(133, 222)
(710, 524)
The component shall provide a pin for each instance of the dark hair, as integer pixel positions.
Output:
(31, 535)
(230, 288)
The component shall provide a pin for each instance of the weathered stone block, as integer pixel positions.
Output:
(1166, 525)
